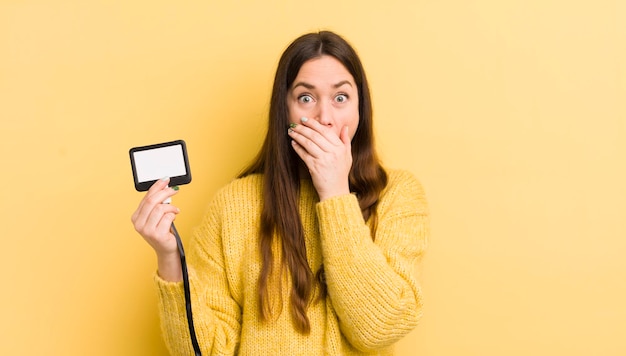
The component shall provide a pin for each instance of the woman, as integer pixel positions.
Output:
(311, 250)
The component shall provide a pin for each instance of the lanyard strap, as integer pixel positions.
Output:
(192, 331)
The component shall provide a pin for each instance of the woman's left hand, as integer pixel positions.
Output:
(327, 156)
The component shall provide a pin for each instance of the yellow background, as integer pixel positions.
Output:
(511, 113)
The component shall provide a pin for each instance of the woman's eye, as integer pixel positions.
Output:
(341, 98)
(305, 99)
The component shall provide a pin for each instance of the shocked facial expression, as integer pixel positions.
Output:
(325, 91)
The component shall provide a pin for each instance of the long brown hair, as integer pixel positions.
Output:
(279, 164)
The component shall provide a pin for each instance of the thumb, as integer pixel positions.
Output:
(344, 135)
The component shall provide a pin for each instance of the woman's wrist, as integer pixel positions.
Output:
(169, 267)
(332, 191)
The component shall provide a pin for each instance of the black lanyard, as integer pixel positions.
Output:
(192, 331)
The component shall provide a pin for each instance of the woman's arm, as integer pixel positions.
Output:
(217, 317)
(370, 281)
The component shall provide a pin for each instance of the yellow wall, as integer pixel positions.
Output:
(511, 113)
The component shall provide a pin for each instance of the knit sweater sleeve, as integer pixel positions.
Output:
(216, 315)
(370, 281)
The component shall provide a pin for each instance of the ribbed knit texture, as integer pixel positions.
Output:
(373, 298)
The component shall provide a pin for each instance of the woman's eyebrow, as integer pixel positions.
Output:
(343, 82)
(303, 84)
(311, 86)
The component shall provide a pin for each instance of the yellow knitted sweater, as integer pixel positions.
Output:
(373, 298)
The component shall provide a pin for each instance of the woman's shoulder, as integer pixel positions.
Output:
(404, 185)
(401, 177)
(239, 196)
(249, 186)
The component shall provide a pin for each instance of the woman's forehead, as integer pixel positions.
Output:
(324, 70)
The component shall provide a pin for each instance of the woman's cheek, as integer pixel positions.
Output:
(296, 112)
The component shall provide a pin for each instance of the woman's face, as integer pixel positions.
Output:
(325, 91)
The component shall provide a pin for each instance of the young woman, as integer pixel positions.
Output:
(311, 250)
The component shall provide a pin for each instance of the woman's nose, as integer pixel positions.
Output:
(325, 115)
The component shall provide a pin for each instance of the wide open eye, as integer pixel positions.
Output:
(305, 98)
(341, 98)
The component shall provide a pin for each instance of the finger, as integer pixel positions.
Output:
(157, 214)
(310, 146)
(323, 131)
(156, 187)
(153, 227)
(152, 203)
(347, 143)
(301, 152)
(160, 236)
(149, 202)
(344, 136)
(165, 224)
(315, 142)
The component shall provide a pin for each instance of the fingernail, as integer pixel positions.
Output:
(164, 179)
(304, 119)
(293, 124)
(175, 187)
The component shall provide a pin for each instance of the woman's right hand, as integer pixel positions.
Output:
(153, 220)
